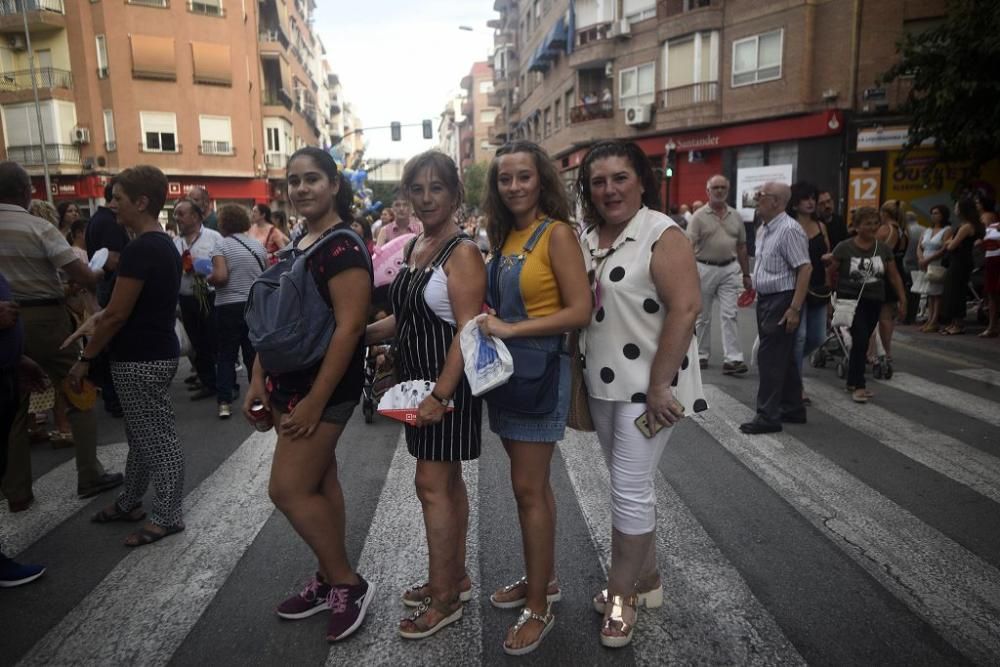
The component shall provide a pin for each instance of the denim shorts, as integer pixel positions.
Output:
(535, 428)
(334, 413)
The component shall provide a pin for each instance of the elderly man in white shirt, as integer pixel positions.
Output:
(781, 276)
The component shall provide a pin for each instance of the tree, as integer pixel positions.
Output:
(475, 184)
(955, 81)
(383, 191)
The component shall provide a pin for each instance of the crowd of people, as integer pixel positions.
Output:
(616, 304)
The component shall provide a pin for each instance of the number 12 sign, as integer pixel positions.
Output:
(863, 189)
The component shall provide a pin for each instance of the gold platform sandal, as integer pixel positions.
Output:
(616, 621)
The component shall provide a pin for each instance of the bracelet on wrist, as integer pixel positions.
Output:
(442, 401)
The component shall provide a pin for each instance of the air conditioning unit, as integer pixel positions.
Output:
(81, 135)
(620, 29)
(640, 115)
(17, 43)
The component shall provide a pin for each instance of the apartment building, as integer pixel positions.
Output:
(187, 86)
(476, 142)
(720, 85)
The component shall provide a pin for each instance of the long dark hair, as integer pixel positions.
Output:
(264, 210)
(967, 212)
(344, 199)
(552, 200)
(945, 214)
(636, 158)
(801, 190)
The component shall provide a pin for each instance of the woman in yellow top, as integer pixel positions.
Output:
(538, 292)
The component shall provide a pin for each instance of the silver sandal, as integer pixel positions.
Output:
(548, 622)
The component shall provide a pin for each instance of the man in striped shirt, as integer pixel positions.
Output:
(31, 251)
(781, 276)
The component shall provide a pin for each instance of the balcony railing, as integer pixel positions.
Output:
(592, 33)
(688, 96)
(592, 111)
(275, 160)
(45, 77)
(216, 148)
(278, 98)
(54, 153)
(273, 35)
(169, 149)
(150, 3)
(8, 7)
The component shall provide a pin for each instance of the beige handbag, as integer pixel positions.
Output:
(579, 402)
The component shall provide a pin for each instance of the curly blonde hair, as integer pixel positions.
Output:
(44, 210)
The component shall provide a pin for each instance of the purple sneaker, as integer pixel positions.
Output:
(348, 605)
(312, 600)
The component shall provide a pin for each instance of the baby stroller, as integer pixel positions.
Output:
(837, 346)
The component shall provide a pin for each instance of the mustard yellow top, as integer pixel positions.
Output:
(539, 289)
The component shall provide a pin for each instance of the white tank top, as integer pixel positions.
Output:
(436, 296)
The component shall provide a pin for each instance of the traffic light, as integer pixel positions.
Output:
(397, 133)
(669, 162)
(428, 130)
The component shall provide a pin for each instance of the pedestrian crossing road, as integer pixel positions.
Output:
(870, 535)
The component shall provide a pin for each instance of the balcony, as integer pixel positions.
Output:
(701, 19)
(275, 160)
(45, 77)
(594, 111)
(335, 107)
(593, 46)
(278, 98)
(272, 36)
(31, 156)
(43, 15)
(681, 97)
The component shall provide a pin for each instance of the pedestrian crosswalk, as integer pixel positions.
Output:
(716, 611)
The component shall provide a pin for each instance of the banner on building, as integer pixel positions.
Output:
(750, 179)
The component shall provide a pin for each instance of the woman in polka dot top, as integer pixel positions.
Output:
(638, 348)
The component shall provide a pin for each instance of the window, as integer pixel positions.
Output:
(209, 7)
(110, 141)
(159, 131)
(696, 4)
(547, 123)
(211, 63)
(487, 116)
(216, 135)
(153, 57)
(102, 56)
(485, 87)
(690, 70)
(638, 10)
(757, 58)
(273, 139)
(557, 111)
(150, 3)
(636, 85)
(570, 100)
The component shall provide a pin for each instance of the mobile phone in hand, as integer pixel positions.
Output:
(642, 423)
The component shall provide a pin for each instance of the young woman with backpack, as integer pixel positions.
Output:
(310, 407)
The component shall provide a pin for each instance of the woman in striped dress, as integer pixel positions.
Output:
(441, 288)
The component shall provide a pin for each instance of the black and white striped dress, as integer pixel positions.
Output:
(423, 340)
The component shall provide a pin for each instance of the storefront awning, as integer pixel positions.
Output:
(153, 57)
(212, 63)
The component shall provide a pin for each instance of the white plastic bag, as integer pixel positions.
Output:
(182, 338)
(488, 363)
(843, 313)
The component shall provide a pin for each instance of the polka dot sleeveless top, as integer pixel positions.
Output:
(624, 330)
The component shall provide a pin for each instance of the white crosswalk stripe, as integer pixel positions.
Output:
(984, 375)
(960, 401)
(705, 598)
(55, 501)
(952, 589)
(156, 594)
(713, 612)
(394, 558)
(950, 457)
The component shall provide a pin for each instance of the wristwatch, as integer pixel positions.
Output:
(442, 401)
(85, 359)
(797, 309)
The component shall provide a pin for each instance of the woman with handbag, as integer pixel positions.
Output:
(538, 293)
(240, 260)
(860, 267)
(812, 326)
(438, 290)
(641, 360)
(930, 250)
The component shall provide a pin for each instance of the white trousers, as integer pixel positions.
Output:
(632, 459)
(726, 284)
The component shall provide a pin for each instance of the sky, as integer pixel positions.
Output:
(402, 60)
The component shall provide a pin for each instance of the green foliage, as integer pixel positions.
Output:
(475, 184)
(955, 94)
(383, 191)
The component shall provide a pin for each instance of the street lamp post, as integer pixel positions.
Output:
(38, 106)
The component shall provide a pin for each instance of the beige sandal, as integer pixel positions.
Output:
(616, 621)
(548, 622)
(651, 599)
(550, 597)
(423, 630)
(415, 595)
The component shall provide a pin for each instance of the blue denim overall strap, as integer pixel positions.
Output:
(504, 277)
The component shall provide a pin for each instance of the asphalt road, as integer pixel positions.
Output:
(870, 535)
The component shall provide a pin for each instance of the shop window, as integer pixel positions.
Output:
(636, 85)
(750, 156)
(757, 58)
